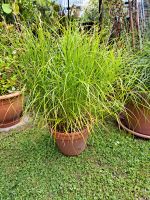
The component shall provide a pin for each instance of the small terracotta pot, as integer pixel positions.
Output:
(71, 144)
(11, 108)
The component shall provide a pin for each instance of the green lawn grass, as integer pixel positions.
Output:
(115, 166)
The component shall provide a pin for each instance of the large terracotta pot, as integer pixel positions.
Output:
(11, 107)
(71, 144)
(136, 120)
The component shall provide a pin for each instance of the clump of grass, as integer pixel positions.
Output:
(69, 77)
(74, 78)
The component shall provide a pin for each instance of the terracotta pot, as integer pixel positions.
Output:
(123, 124)
(71, 144)
(11, 107)
(137, 119)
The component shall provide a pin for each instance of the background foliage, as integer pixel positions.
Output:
(28, 11)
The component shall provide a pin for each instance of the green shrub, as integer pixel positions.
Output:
(8, 77)
(9, 81)
(28, 11)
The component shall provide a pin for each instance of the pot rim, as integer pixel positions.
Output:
(120, 122)
(69, 136)
(9, 96)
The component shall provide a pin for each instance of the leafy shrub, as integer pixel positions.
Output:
(91, 12)
(8, 76)
(28, 11)
(9, 81)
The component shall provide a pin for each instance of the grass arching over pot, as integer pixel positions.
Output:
(135, 117)
(136, 81)
(69, 77)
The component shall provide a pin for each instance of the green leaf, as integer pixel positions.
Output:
(15, 9)
(6, 8)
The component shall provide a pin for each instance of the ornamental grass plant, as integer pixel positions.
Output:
(74, 79)
(68, 77)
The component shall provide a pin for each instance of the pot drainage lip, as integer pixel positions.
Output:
(24, 120)
(120, 122)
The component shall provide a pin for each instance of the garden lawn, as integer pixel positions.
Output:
(115, 166)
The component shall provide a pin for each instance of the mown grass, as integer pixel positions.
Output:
(115, 166)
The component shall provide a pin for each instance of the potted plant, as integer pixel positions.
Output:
(58, 88)
(67, 78)
(11, 100)
(136, 116)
